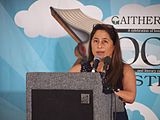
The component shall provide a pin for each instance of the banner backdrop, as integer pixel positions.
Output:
(32, 41)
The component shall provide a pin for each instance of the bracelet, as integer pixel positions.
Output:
(117, 90)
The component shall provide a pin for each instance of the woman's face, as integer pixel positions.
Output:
(102, 44)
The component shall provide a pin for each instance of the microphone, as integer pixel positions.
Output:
(107, 88)
(95, 63)
(107, 62)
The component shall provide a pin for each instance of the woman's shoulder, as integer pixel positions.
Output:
(128, 68)
(76, 68)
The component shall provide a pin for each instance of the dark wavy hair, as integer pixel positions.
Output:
(115, 75)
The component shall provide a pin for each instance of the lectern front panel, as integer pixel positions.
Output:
(50, 104)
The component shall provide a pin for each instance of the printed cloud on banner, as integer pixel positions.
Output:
(144, 110)
(135, 16)
(155, 89)
(37, 20)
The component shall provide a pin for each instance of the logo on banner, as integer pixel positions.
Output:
(139, 31)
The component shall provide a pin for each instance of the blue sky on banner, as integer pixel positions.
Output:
(30, 39)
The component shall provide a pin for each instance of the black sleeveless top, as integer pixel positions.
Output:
(86, 67)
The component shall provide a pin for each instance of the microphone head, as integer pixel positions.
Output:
(96, 58)
(107, 60)
(95, 63)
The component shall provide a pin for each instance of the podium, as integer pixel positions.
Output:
(69, 96)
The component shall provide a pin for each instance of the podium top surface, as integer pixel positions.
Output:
(59, 80)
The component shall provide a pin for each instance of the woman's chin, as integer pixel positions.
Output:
(101, 56)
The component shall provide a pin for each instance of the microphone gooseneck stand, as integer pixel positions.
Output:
(107, 88)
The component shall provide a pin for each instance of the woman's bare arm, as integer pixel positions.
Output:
(128, 93)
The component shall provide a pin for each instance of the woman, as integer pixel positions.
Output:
(104, 41)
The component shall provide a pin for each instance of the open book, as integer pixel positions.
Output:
(78, 25)
(75, 22)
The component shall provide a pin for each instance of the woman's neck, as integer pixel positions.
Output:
(100, 66)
